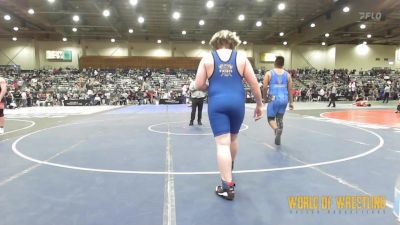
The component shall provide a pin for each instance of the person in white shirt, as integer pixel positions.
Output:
(197, 98)
(321, 94)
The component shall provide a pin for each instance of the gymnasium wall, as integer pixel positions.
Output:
(397, 62)
(364, 56)
(17, 53)
(30, 54)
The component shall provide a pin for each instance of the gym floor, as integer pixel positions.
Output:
(145, 165)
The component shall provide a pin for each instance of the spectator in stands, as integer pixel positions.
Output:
(91, 96)
(29, 99)
(18, 98)
(309, 94)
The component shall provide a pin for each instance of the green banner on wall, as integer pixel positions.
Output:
(65, 55)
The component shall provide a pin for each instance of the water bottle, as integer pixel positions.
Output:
(396, 206)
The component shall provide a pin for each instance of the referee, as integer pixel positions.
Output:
(332, 96)
(197, 98)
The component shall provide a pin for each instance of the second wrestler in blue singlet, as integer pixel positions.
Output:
(278, 86)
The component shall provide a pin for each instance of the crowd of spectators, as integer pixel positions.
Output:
(97, 87)
(315, 85)
(147, 86)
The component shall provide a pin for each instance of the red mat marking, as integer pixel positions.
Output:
(380, 117)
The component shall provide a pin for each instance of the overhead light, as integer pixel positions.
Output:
(241, 17)
(176, 15)
(363, 26)
(365, 43)
(258, 23)
(74, 29)
(210, 4)
(141, 19)
(133, 2)
(184, 32)
(285, 43)
(51, 1)
(130, 31)
(346, 9)
(14, 39)
(281, 6)
(327, 35)
(106, 13)
(31, 11)
(64, 39)
(369, 36)
(281, 34)
(112, 40)
(15, 28)
(201, 22)
(75, 18)
(391, 62)
(312, 25)
(244, 42)
(203, 42)
(7, 17)
(159, 41)
(323, 43)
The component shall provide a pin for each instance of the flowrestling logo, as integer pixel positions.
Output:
(226, 70)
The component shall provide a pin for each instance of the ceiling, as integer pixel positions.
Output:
(52, 21)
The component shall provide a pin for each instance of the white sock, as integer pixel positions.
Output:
(1, 130)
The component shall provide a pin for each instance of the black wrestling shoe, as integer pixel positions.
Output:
(228, 194)
(200, 123)
(278, 134)
(191, 123)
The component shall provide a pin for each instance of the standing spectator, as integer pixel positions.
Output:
(321, 94)
(23, 99)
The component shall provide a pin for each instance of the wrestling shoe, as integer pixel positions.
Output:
(200, 123)
(228, 194)
(1, 130)
(278, 134)
(191, 123)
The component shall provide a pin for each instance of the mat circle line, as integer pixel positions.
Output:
(17, 152)
(32, 123)
(151, 128)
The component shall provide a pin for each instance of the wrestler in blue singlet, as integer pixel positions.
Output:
(278, 88)
(226, 96)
